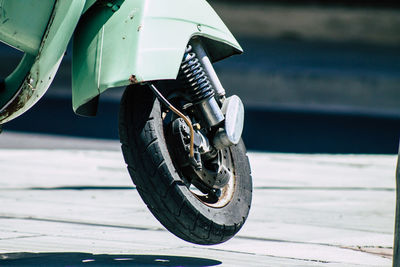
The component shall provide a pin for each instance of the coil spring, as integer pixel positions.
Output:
(194, 79)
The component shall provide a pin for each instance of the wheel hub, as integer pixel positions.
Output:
(211, 166)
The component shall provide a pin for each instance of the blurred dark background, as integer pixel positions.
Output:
(315, 77)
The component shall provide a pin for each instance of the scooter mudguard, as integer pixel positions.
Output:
(133, 41)
(31, 79)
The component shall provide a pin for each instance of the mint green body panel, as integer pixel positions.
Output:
(23, 23)
(88, 4)
(143, 40)
(115, 44)
(35, 73)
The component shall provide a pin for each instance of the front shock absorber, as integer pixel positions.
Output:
(198, 88)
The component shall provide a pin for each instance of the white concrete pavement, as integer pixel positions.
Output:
(66, 203)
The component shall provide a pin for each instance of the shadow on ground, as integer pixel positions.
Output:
(79, 259)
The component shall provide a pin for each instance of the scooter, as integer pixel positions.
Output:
(180, 133)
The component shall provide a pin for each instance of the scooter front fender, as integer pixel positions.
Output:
(135, 41)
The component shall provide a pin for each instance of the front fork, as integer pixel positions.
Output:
(221, 119)
(226, 115)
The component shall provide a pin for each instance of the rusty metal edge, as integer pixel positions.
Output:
(26, 90)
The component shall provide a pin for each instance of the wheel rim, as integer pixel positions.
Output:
(213, 198)
(227, 192)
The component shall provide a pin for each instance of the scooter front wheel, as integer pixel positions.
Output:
(192, 215)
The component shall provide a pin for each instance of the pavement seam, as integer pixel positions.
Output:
(20, 237)
(141, 228)
(273, 256)
(312, 243)
(316, 188)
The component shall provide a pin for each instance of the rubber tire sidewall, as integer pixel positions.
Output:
(151, 168)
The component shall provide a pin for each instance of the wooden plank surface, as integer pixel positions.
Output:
(66, 205)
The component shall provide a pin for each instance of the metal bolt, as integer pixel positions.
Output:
(113, 7)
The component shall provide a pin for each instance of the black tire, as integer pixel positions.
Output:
(159, 184)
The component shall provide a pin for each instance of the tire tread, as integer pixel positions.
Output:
(149, 172)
